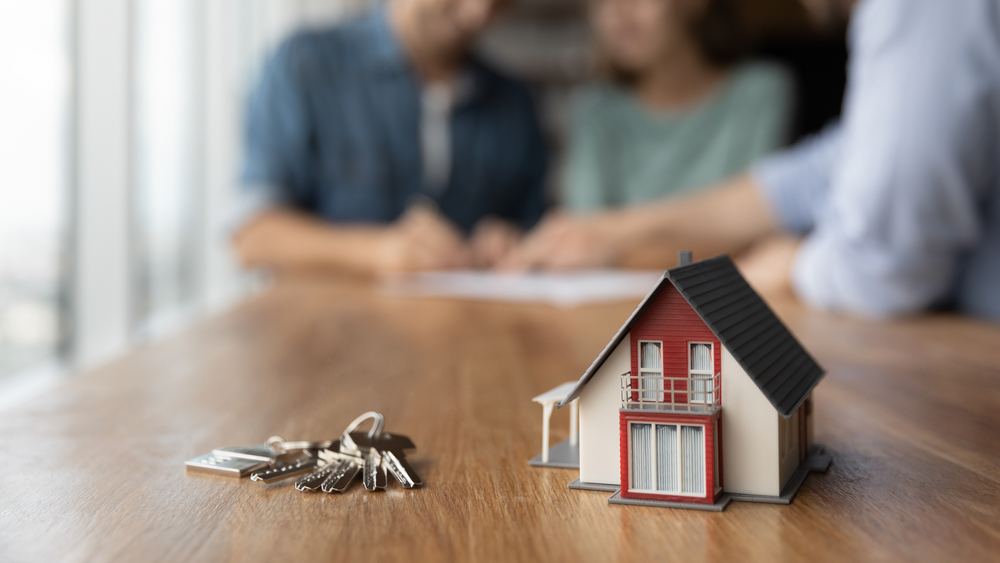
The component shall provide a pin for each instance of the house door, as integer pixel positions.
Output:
(667, 459)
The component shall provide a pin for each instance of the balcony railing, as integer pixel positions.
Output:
(685, 394)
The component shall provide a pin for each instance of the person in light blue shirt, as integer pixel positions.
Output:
(898, 204)
(349, 126)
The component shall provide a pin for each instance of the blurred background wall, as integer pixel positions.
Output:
(120, 143)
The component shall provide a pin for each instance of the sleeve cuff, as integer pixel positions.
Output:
(795, 182)
(833, 274)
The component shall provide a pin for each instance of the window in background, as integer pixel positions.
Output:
(35, 64)
(167, 166)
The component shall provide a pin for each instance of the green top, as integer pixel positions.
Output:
(621, 152)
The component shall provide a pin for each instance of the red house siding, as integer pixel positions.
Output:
(708, 420)
(671, 320)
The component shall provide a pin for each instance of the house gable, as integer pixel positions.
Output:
(671, 320)
(747, 327)
(764, 348)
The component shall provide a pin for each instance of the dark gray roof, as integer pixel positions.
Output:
(745, 325)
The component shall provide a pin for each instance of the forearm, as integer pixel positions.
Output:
(287, 240)
(728, 218)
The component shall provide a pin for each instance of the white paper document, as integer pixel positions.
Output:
(568, 289)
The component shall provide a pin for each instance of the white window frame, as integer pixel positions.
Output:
(680, 462)
(709, 391)
(657, 390)
(101, 222)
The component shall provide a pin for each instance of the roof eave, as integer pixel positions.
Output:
(619, 336)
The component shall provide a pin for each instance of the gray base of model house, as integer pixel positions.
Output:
(817, 461)
(561, 455)
(581, 486)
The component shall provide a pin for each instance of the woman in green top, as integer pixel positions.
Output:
(676, 114)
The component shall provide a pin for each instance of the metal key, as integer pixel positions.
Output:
(258, 452)
(372, 453)
(285, 470)
(373, 476)
(237, 461)
(374, 473)
(328, 462)
(400, 469)
(339, 480)
(314, 480)
(376, 465)
(294, 458)
(391, 448)
(224, 465)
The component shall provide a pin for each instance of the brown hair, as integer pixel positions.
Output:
(718, 31)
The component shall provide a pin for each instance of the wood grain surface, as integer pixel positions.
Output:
(93, 470)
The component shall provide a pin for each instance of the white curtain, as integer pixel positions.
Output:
(666, 458)
(701, 357)
(641, 457)
(651, 364)
(693, 457)
(701, 369)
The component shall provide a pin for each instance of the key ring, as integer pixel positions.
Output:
(378, 421)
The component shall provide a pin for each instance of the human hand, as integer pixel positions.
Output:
(767, 266)
(422, 239)
(493, 239)
(562, 242)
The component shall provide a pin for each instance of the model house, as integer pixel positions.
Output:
(702, 397)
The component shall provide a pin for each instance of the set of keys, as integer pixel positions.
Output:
(330, 466)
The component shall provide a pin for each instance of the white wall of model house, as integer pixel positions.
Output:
(749, 434)
(750, 438)
(600, 401)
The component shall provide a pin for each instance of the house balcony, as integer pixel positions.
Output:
(697, 394)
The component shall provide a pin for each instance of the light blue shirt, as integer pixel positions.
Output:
(901, 200)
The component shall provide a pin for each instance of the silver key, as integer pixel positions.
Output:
(292, 458)
(237, 461)
(225, 465)
(339, 480)
(261, 452)
(314, 480)
(374, 471)
(401, 470)
(372, 453)
(373, 475)
(391, 448)
(285, 470)
(328, 461)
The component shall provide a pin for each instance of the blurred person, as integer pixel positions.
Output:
(379, 144)
(898, 204)
(678, 112)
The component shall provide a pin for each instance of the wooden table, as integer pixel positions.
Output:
(93, 471)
